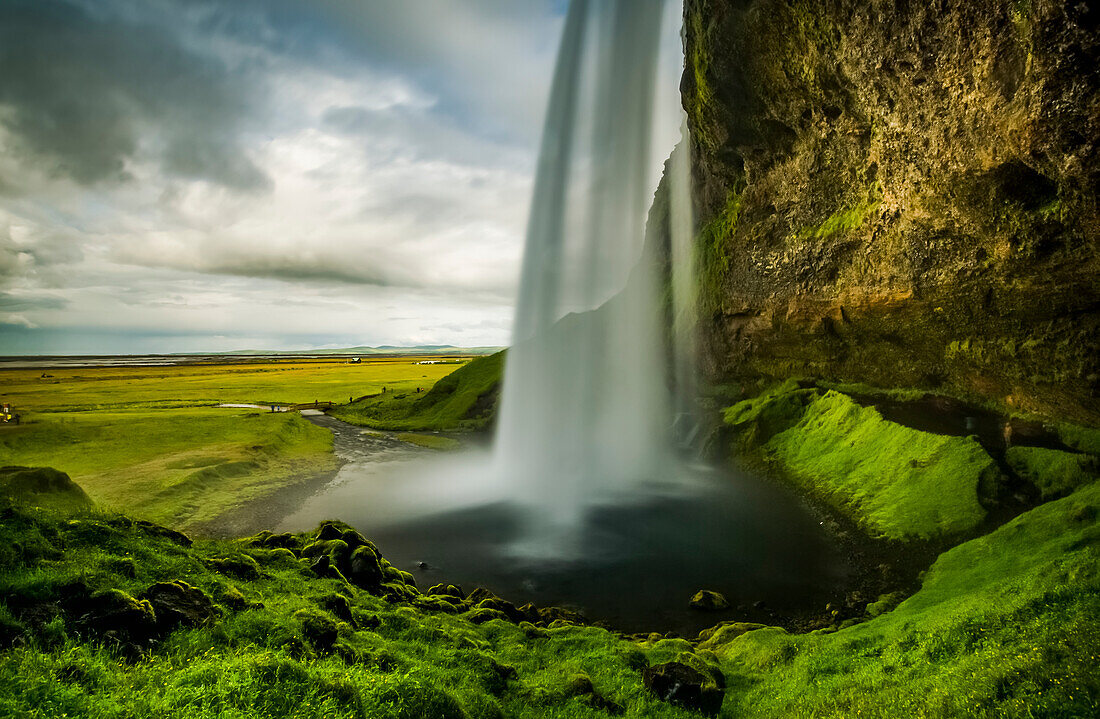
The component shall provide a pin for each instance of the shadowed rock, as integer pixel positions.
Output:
(708, 601)
(178, 603)
(116, 613)
(677, 683)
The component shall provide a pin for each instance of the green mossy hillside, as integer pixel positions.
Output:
(1006, 625)
(463, 400)
(270, 626)
(895, 482)
(1054, 472)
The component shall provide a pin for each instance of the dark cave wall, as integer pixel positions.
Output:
(900, 193)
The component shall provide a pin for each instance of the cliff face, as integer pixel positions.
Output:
(900, 193)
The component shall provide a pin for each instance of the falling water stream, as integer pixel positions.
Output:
(587, 497)
(585, 411)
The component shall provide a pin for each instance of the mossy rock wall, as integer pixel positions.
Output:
(900, 193)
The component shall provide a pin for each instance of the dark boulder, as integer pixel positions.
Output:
(448, 590)
(709, 601)
(581, 687)
(234, 599)
(155, 530)
(480, 616)
(329, 530)
(44, 487)
(337, 551)
(529, 612)
(432, 603)
(480, 593)
(504, 607)
(242, 566)
(353, 538)
(365, 569)
(679, 684)
(323, 566)
(286, 540)
(116, 613)
(339, 607)
(178, 603)
(548, 615)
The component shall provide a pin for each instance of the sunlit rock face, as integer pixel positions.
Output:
(900, 193)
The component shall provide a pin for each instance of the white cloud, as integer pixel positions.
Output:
(372, 186)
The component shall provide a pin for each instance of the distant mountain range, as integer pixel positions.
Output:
(380, 350)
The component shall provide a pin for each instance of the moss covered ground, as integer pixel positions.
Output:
(1002, 625)
(1006, 625)
(1054, 472)
(462, 400)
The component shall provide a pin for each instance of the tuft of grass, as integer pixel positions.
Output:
(463, 400)
(848, 218)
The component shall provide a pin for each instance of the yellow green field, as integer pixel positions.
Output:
(260, 382)
(151, 441)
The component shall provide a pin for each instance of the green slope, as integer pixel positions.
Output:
(463, 400)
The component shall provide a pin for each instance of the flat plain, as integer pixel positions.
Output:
(152, 442)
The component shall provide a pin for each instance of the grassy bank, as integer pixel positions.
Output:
(180, 467)
(1006, 625)
(894, 481)
(463, 400)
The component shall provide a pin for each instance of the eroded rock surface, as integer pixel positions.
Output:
(900, 193)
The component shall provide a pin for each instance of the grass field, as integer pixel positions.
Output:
(150, 440)
(279, 382)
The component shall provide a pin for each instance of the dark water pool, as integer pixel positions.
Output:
(634, 566)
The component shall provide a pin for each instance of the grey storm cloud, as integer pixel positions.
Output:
(228, 173)
(87, 88)
(10, 302)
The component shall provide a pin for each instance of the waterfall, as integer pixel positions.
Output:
(586, 413)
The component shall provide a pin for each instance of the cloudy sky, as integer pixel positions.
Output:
(205, 175)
